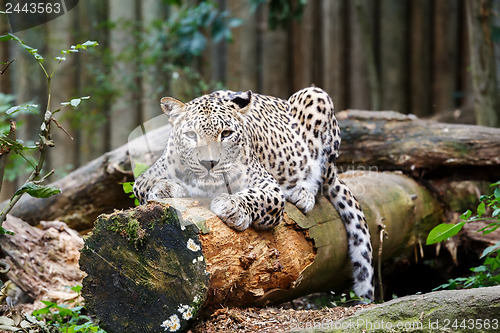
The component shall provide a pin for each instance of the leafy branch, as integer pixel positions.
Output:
(34, 184)
(489, 272)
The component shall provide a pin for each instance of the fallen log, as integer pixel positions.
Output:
(43, 262)
(158, 265)
(470, 310)
(370, 141)
(393, 141)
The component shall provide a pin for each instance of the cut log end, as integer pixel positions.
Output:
(146, 272)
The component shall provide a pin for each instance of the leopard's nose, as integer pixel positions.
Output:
(209, 164)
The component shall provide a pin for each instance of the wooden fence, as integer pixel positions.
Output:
(410, 56)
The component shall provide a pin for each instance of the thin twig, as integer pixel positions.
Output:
(5, 152)
(10, 62)
(62, 128)
(382, 234)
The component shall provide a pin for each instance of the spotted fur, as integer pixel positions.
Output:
(250, 153)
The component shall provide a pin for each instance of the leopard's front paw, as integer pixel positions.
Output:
(303, 199)
(166, 189)
(230, 210)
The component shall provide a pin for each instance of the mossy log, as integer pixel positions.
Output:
(389, 140)
(161, 263)
(370, 141)
(470, 310)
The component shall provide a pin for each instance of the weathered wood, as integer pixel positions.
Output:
(420, 57)
(242, 57)
(370, 141)
(393, 43)
(389, 140)
(124, 108)
(483, 63)
(177, 252)
(43, 262)
(65, 151)
(335, 50)
(273, 59)
(445, 54)
(358, 61)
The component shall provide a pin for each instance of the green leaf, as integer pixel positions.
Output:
(443, 232)
(490, 249)
(4, 231)
(495, 212)
(140, 168)
(30, 50)
(497, 192)
(33, 108)
(89, 43)
(466, 215)
(489, 228)
(75, 101)
(38, 191)
(76, 288)
(128, 187)
(481, 209)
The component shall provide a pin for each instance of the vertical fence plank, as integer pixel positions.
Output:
(151, 10)
(334, 49)
(63, 157)
(123, 114)
(359, 83)
(93, 136)
(420, 51)
(445, 54)
(393, 54)
(8, 188)
(302, 49)
(242, 63)
(274, 59)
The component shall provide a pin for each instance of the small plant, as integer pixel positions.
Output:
(8, 143)
(488, 273)
(67, 319)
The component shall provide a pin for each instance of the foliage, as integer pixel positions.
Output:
(128, 188)
(488, 273)
(8, 142)
(184, 36)
(66, 319)
(16, 166)
(281, 12)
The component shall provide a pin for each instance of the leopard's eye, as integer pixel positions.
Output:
(190, 135)
(226, 133)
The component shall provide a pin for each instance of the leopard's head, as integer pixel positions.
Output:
(209, 138)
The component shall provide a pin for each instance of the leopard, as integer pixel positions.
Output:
(249, 153)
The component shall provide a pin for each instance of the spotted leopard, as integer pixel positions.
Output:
(250, 153)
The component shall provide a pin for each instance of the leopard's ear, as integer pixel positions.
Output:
(169, 104)
(172, 107)
(243, 100)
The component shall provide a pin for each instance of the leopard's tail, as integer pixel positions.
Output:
(360, 249)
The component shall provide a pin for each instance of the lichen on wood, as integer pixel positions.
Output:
(148, 276)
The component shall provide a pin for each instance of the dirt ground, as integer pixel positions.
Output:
(271, 320)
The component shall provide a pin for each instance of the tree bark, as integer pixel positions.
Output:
(43, 262)
(370, 141)
(483, 65)
(176, 257)
(392, 141)
(470, 310)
